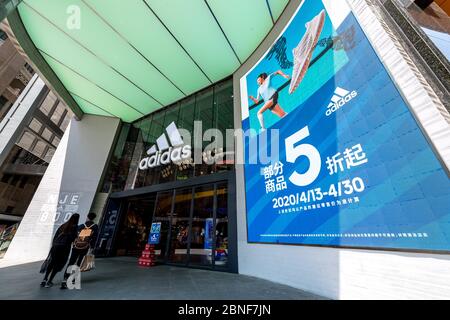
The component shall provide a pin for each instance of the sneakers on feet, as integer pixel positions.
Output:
(63, 285)
(43, 283)
(49, 284)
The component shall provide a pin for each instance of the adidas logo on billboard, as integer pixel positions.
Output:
(164, 153)
(340, 98)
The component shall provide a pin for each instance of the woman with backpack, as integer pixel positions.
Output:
(59, 253)
(85, 240)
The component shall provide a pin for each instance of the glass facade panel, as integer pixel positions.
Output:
(194, 225)
(117, 174)
(221, 254)
(186, 118)
(202, 226)
(205, 114)
(187, 114)
(135, 226)
(162, 214)
(156, 130)
(212, 108)
(179, 231)
(138, 176)
(223, 104)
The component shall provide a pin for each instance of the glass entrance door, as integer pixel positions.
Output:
(180, 226)
(202, 234)
(194, 226)
(134, 226)
(163, 208)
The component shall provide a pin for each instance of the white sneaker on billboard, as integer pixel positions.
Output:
(303, 52)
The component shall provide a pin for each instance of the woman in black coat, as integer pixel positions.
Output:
(61, 245)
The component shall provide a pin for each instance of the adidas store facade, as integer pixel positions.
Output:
(354, 201)
(152, 179)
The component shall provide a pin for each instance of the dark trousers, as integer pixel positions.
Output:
(51, 271)
(75, 258)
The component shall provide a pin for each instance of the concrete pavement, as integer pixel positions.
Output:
(121, 278)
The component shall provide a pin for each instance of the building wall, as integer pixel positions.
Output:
(32, 122)
(68, 186)
(444, 4)
(345, 273)
(29, 135)
(16, 190)
(10, 64)
(14, 76)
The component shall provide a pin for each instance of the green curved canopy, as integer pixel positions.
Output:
(128, 58)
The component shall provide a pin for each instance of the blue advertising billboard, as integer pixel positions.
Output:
(354, 168)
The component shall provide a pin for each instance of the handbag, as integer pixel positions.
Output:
(88, 262)
(46, 263)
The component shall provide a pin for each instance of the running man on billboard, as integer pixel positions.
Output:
(270, 96)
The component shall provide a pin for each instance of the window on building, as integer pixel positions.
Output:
(186, 121)
(29, 68)
(3, 36)
(17, 85)
(39, 148)
(47, 134)
(27, 140)
(58, 113)
(35, 125)
(49, 155)
(48, 104)
(66, 121)
(3, 101)
(56, 141)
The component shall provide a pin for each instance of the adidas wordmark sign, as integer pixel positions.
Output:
(339, 99)
(176, 152)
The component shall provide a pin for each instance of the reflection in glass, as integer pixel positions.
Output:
(186, 121)
(162, 214)
(139, 153)
(204, 112)
(135, 227)
(202, 226)
(157, 128)
(213, 107)
(221, 254)
(223, 120)
(168, 172)
(179, 235)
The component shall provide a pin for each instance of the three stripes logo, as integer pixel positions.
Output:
(166, 151)
(340, 98)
